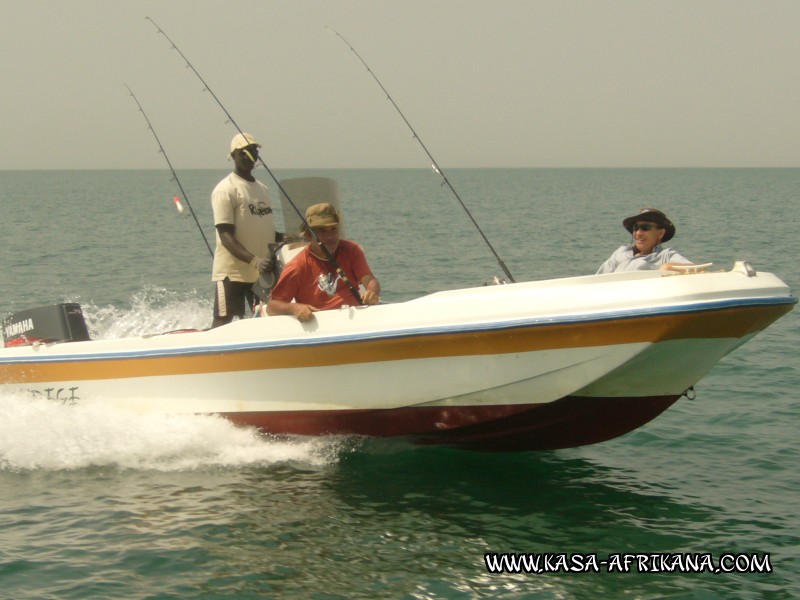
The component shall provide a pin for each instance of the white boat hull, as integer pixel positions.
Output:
(525, 366)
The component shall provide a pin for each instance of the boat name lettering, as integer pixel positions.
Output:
(18, 328)
(66, 396)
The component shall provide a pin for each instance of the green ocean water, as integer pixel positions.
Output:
(99, 504)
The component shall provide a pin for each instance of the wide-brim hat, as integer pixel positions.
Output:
(652, 215)
(322, 215)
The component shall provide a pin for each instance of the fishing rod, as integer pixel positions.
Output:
(434, 165)
(174, 174)
(328, 254)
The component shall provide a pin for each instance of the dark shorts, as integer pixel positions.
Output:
(231, 297)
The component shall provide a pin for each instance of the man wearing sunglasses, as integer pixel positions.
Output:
(649, 228)
(245, 228)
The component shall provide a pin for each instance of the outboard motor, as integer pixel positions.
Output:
(46, 324)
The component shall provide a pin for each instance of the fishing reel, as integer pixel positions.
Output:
(496, 280)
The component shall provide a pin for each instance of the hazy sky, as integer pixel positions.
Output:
(495, 83)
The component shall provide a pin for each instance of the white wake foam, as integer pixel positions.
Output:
(36, 433)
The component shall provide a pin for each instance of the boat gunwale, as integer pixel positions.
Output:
(419, 331)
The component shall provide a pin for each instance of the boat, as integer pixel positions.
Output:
(534, 365)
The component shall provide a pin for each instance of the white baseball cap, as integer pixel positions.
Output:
(242, 140)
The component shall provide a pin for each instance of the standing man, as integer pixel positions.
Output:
(245, 228)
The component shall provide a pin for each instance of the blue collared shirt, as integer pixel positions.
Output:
(623, 259)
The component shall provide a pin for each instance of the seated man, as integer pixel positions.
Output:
(649, 228)
(310, 282)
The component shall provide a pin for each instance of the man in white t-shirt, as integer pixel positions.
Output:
(245, 228)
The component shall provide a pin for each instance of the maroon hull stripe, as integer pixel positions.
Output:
(566, 423)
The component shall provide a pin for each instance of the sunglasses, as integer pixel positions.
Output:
(644, 226)
(250, 152)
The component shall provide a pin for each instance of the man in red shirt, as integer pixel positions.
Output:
(310, 283)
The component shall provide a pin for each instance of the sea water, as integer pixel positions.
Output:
(97, 503)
